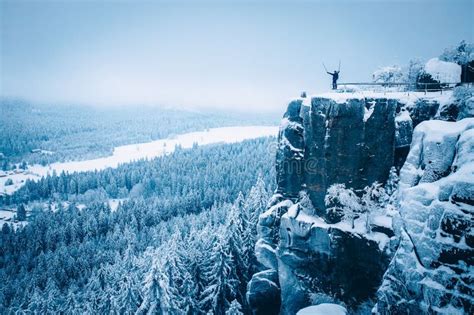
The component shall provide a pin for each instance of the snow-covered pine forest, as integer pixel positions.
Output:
(181, 241)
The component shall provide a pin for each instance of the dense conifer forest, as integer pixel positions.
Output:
(180, 242)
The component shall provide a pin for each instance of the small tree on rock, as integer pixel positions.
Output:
(342, 203)
(373, 200)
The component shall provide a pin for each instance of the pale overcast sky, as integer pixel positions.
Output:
(227, 54)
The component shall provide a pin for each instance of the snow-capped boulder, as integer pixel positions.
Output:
(443, 71)
(268, 231)
(263, 292)
(323, 309)
(461, 107)
(432, 151)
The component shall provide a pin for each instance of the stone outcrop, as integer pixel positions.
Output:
(342, 144)
(432, 270)
(264, 292)
(355, 141)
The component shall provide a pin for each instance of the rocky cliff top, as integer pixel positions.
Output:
(407, 98)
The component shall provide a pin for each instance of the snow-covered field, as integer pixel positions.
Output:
(6, 215)
(133, 152)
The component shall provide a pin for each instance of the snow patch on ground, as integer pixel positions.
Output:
(323, 309)
(114, 203)
(382, 220)
(8, 216)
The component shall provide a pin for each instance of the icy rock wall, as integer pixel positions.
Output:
(432, 270)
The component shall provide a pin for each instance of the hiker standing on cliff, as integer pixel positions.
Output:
(335, 75)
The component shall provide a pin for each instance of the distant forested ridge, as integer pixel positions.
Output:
(182, 242)
(38, 133)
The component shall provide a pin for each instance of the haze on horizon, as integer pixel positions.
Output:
(233, 55)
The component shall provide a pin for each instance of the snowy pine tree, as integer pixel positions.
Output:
(221, 277)
(234, 309)
(157, 298)
(373, 201)
(21, 213)
(181, 285)
(233, 231)
(127, 298)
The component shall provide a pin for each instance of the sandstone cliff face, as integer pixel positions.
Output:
(317, 257)
(432, 270)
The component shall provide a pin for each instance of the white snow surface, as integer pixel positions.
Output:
(437, 130)
(6, 215)
(434, 148)
(443, 71)
(114, 203)
(323, 309)
(134, 152)
(304, 224)
(403, 116)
